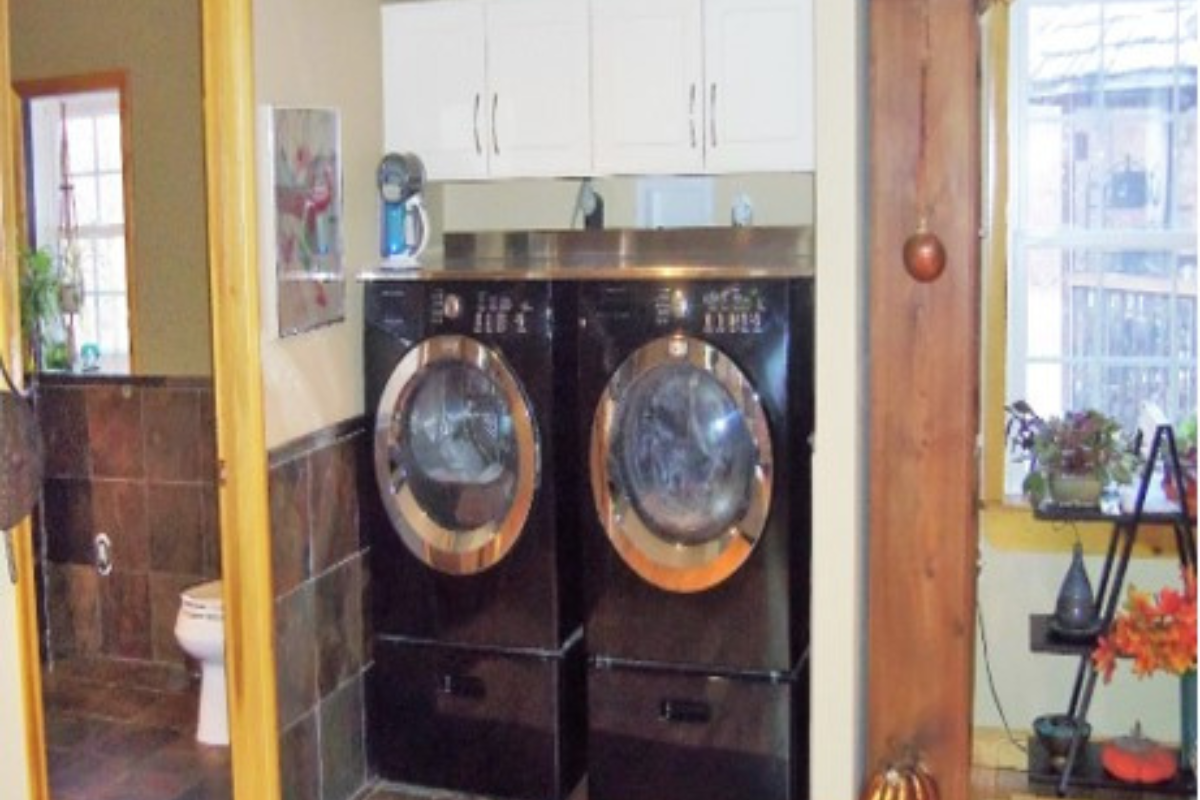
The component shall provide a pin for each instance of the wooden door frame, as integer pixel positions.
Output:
(237, 382)
(229, 124)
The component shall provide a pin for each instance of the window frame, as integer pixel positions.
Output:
(44, 88)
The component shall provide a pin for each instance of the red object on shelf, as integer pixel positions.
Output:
(1136, 759)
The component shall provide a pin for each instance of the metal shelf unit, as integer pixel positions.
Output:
(1082, 767)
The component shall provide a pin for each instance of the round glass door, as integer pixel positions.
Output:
(456, 454)
(681, 464)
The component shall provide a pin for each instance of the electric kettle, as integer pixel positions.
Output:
(404, 223)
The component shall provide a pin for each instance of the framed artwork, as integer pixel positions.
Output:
(306, 179)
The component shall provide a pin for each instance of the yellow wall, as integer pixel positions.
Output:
(302, 58)
(159, 45)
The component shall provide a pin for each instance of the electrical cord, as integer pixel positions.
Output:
(987, 666)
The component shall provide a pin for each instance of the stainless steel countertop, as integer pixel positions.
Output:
(618, 254)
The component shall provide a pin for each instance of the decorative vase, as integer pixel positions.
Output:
(1082, 491)
(1187, 714)
(1075, 608)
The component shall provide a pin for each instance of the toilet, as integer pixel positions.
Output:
(200, 629)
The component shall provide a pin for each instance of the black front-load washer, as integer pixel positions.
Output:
(474, 585)
(696, 403)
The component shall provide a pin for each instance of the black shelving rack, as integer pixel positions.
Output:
(1082, 767)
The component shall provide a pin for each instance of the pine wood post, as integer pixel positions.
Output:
(924, 385)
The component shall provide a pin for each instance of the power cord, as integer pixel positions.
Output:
(987, 666)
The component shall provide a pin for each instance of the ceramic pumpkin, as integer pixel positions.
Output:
(907, 781)
(1136, 759)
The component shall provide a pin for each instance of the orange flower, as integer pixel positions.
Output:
(1157, 631)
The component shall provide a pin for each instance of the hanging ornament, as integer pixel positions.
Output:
(924, 254)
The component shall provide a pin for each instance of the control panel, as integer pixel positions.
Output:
(724, 309)
(485, 311)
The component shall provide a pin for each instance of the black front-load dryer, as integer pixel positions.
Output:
(477, 680)
(461, 380)
(696, 403)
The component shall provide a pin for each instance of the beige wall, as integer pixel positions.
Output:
(158, 45)
(302, 58)
(547, 205)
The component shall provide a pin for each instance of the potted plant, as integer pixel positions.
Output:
(1071, 458)
(39, 286)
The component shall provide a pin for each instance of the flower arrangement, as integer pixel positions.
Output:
(1157, 631)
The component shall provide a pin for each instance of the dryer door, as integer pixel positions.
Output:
(681, 466)
(457, 456)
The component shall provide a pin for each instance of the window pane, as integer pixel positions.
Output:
(110, 266)
(113, 326)
(108, 142)
(112, 208)
(81, 145)
(86, 190)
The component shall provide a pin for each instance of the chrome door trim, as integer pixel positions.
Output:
(455, 552)
(674, 566)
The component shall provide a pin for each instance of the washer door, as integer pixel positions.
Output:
(457, 457)
(681, 464)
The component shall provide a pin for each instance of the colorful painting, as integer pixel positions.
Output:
(308, 218)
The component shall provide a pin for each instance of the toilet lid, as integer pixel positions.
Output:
(203, 597)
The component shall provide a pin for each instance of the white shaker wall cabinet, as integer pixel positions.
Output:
(648, 86)
(489, 89)
(710, 86)
(434, 88)
(759, 93)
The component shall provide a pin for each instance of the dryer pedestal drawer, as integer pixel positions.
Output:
(659, 735)
(505, 724)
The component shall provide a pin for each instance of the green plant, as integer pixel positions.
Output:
(1080, 443)
(39, 286)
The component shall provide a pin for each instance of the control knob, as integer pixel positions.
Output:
(452, 306)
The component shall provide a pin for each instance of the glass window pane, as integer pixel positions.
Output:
(81, 145)
(108, 142)
(110, 265)
(112, 200)
(113, 325)
(86, 190)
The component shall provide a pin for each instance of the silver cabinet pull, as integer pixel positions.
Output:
(478, 145)
(104, 562)
(692, 114)
(712, 113)
(495, 124)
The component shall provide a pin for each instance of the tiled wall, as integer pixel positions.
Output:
(320, 576)
(133, 458)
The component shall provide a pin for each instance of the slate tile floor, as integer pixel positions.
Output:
(126, 731)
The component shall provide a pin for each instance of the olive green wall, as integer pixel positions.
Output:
(157, 44)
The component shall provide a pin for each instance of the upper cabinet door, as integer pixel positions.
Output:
(648, 86)
(759, 92)
(539, 89)
(434, 91)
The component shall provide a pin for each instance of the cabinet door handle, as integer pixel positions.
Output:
(495, 124)
(712, 113)
(478, 145)
(692, 114)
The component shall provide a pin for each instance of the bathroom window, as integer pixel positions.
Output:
(1101, 283)
(76, 179)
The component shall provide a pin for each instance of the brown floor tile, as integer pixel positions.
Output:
(111, 738)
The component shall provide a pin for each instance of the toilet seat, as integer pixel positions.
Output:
(203, 601)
